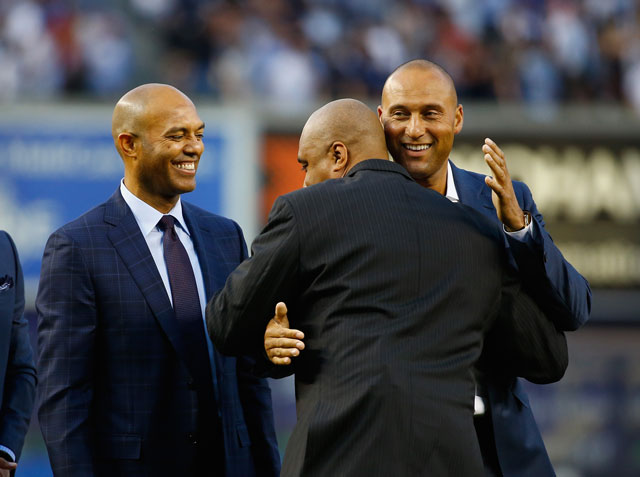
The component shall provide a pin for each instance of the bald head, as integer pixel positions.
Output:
(417, 67)
(336, 137)
(350, 122)
(137, 108)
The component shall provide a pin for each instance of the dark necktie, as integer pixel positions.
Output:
(186, 304)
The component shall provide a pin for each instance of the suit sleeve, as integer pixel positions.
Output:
(255, 397)
(523, 340)
(552, 281)
(67, 321)
(20, 376)
(238, 314)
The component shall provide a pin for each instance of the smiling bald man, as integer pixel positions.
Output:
(130, 384)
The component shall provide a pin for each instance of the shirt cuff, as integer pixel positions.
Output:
(9, 452)
(523, 234)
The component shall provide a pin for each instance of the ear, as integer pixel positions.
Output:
(127, 144)
(339, 155)
(380, 113)
(459, 120)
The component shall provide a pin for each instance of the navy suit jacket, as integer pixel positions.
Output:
(119, 395)
(17, 372)
(559, 290)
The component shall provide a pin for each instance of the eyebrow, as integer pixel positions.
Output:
(437, 106)
(182, 129)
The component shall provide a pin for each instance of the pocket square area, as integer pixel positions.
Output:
(6, 282)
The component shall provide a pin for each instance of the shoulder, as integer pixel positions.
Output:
(86, 231)
(7, 247)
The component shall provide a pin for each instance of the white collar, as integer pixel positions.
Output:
(452, 193)
(148, 217)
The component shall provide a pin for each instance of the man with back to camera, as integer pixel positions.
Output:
(421, 115)
(17, 372)
(392, 329)
(130, 383)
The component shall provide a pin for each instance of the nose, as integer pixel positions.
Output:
(194, 146)
(415, 127)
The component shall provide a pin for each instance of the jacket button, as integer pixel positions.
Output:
(190, 382)
(191, 437)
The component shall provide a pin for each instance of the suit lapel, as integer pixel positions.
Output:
(472, 191)
(134, 252)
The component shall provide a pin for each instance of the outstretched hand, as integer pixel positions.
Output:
(280, 342)
(502, 195)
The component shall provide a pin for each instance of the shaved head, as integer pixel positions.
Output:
(336, 137)
(134, 110)
(348, 121)
(420, 65)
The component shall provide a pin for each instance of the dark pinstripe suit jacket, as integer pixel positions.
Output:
(17, 371)
(393, 286)
(118, 395)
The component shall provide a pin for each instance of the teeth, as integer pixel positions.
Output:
(417, 147)
(189, 166)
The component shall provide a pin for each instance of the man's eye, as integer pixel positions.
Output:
(399, 114)
(304, 167)
(175, 138)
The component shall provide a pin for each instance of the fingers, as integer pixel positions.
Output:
(6, 465)
(280, 361)
(283, 344)
(276, 331)
(281, 351)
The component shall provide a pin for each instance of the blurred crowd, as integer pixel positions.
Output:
(295, 51)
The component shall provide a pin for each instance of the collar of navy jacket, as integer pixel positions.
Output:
(382, 165)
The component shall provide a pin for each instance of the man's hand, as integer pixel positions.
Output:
(502, 195)
(6, 467)
(280, 342)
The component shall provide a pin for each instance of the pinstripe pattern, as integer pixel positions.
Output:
(393, 286)
(117, 395)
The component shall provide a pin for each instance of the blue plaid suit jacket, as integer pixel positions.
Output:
(556, 286)
(117, 393)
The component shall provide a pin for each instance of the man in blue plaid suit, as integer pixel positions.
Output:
(123, 388)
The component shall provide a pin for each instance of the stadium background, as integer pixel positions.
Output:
(555, 83)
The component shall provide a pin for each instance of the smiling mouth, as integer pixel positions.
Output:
(186, 166)
(416, 147)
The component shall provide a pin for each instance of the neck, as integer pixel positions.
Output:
(437, 183)
(160, 203)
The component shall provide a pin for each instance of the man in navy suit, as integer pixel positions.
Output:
(17, 372)
(421, 115)
(130, 383)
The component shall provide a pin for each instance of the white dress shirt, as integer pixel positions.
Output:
(147, 218)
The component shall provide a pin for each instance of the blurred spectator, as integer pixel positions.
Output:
(292, 52)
